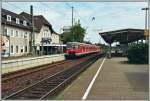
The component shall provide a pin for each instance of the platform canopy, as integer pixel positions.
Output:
(123, 35)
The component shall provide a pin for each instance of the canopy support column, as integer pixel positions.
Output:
(109, 54)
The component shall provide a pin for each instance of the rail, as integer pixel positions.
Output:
(51, 85)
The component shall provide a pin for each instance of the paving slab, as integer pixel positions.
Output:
(117, 80)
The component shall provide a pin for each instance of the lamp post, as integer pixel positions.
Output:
(72, 22)
(60, 42)
(146, 29)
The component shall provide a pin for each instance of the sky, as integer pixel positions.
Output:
(108, 16)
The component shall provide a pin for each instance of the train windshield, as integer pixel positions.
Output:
(72, 45)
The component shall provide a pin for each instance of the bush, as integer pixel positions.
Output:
(138, 53)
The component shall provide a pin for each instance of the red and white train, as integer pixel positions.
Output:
(75, 49)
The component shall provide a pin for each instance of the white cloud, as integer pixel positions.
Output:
(108, 16)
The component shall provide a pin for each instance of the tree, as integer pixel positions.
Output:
(103, 47)
(138, 53)
(76, 34)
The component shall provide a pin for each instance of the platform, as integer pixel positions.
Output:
(23, 63)
(117, 80)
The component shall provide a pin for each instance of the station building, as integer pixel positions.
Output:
(16, 35)
(15, 32)
(47, 41)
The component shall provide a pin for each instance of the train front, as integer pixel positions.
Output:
(71, 49)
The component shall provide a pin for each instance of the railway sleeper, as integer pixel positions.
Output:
(37, 92)
(61, 77)
(59, 80)
(53, 81)
(31, 96)
(46, 84)
(41, 89)
(54, 84)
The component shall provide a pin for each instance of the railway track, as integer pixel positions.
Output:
(51, 85)
(16, 81)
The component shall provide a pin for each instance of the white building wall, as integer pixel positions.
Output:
(55, 39)
(17, 40)
(45, 33)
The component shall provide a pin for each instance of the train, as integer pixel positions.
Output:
(77, 49)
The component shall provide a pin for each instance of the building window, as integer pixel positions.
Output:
(17, 21)
(11, 48)
(16, 49)
(12, 33)
(21, 34)
(16, 33)
(5, 31)
(24, 23)
(25, 35)
(26, 49)
(8, 18)
(21, 49)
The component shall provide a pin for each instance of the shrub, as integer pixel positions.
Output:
(138, 53)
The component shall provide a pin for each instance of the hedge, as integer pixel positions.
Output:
(138, 53)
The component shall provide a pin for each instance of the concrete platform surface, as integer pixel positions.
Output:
(117, 80)
(17, 64)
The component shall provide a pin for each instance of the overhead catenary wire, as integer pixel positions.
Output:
(13, 5)
(77, 13)
(80, 17)
(46, 5)
(22, 10)
(68, 5)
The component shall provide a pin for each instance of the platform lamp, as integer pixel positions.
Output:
(60, 40)
(146, 34)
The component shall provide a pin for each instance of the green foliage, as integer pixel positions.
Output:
(66, 37)
(76, 34)
(138, 53)
(104, 48)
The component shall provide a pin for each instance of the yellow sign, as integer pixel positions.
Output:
(146, 32)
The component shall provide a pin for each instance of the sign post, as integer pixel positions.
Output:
(146, 34)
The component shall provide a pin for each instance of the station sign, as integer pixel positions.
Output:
(146, 33)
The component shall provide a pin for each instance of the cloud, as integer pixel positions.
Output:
(108, 15)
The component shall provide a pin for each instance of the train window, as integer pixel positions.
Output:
(72, 45)
(69, 45)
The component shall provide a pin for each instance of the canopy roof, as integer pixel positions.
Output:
(123, 35)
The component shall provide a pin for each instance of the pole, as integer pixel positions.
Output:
(32, 32)
(60, 42)
(146, 23)
(42, 48)
(146, 29)
(72, 23)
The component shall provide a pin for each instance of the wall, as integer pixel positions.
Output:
(55, 39)
(18, 64)
(45, 32)
(19, 40)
